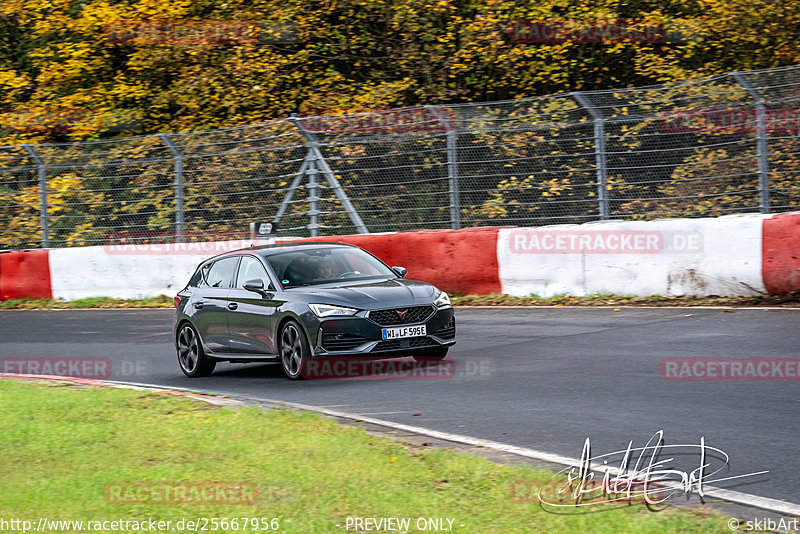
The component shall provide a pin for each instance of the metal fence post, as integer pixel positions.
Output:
(761, 141)
(287, 199)
(179, 210)
(599, 153)
(313, 198)
(44, 219)
(322, 165)
(452, 167)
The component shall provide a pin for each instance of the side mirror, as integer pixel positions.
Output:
(400, 271)
(256, 286)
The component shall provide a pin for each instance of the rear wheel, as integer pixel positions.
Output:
(191, 358)
(294, 350)
(431, 355)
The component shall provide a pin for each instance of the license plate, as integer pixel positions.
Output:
(404, 331)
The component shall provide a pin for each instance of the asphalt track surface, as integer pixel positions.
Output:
(541, 378)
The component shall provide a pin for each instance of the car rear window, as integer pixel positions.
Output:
(222, 272)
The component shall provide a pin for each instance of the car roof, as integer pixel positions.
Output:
(268, 250)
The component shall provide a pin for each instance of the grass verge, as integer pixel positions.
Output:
(792, 300)
(161, 301)
(62, 445)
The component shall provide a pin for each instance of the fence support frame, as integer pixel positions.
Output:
(315, 156)
(178, 167)
(599, 154)
(761, 141)
(287, 199)
(41, 168)
(452, 167)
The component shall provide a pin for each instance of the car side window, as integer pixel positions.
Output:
(221, 272)
(197, 278)
(251, 269)
(203, 274)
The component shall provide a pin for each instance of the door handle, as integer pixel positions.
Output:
(198, 305)
(232, 305)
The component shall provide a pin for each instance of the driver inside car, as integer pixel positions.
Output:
(324, 268)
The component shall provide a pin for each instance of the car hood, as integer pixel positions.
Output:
(372, 295)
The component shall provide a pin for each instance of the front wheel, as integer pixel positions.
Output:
(191, 358)
(431, 355)
(294, 350)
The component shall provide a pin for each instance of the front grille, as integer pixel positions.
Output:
(447, 330)
(410, 343)
(408, 315)
(334, 342)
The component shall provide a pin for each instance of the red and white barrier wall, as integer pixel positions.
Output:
(732, 255)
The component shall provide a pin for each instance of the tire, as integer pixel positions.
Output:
(431, 355)
(191, 358)
(294, 350)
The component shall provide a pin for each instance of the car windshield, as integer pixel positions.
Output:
(326, 265)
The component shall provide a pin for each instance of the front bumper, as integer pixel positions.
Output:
(362, 335)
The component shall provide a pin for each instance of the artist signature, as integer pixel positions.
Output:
(650, 479)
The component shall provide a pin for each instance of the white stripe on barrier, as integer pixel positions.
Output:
(719, 256)
(130, 271)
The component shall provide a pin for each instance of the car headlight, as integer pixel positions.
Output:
(442, 301)
(326, 310)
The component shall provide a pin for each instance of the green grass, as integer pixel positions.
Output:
(161, 301)
(61, 445)
(791, 300)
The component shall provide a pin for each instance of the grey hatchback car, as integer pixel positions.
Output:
(295, 302)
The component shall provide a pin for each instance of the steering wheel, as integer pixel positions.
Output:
(342, 275)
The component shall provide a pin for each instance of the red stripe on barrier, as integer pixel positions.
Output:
(463, 262)
(780, 253)
(25, 275)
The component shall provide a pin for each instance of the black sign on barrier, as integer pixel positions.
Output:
(263, 229)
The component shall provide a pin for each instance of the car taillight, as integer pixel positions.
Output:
(177, 300)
